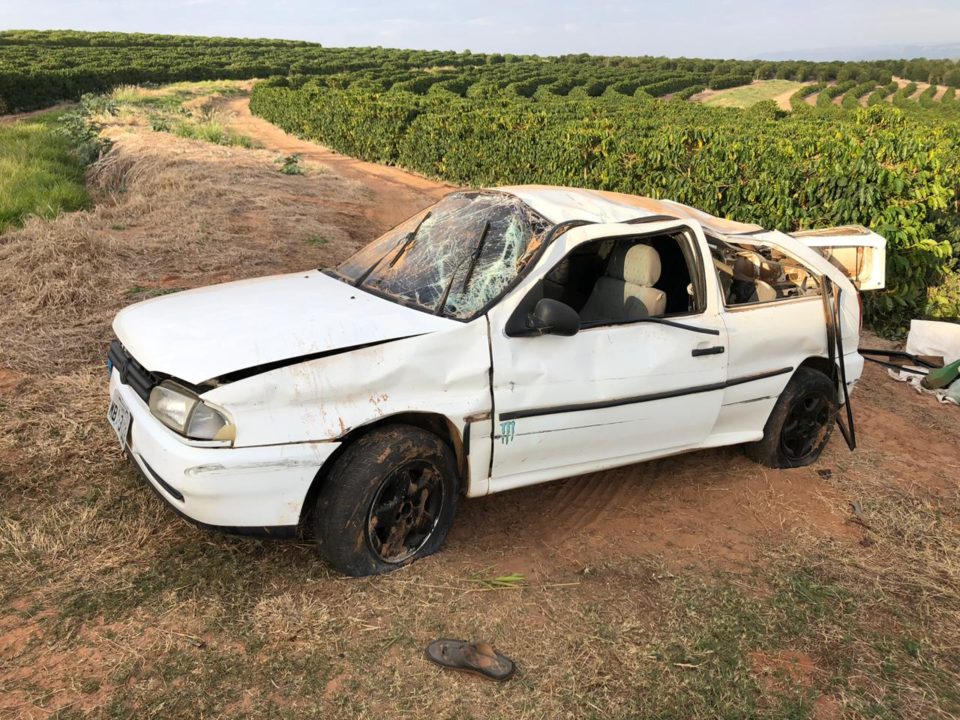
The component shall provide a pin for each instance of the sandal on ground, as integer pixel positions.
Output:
(477, 658)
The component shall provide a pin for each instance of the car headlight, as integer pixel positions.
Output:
(185, 413)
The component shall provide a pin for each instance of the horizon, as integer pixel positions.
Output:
(722, 30)
(815, 55)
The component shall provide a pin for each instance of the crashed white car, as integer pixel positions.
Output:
(498, 339)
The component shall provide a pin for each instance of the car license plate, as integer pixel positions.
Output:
(119, 417)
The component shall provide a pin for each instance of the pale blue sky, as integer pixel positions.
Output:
(693, 28)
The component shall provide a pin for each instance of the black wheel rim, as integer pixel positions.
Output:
(806, 426)
(405, 511)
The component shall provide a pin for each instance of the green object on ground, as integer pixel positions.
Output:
(942, 377)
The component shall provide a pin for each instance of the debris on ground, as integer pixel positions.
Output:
(856, 509)
(930, 362)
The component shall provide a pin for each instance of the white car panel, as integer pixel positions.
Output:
(764, 336)
(542, 384)
(850, 311)
(858, 252)
(541, 375)
(200, 334)
(260, 487)
(445, 373)
(561, 204)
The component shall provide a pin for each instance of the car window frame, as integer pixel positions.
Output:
(748, 241)
(692, 255)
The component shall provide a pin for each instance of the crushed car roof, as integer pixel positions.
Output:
(561, 204)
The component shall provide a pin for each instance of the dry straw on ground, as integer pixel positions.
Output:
(170, 214)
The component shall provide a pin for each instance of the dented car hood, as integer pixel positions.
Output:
(202, 334)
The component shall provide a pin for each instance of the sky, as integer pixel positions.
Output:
(691, 28)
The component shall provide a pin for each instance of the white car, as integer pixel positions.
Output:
(500, 338)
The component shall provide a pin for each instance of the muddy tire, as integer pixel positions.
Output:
(801, 423)
(389, 499)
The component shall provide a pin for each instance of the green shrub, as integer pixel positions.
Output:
(880, 167)
(290, 165)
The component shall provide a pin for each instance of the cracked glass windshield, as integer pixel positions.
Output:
(453, 258)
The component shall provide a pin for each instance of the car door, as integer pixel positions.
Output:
(612, 393)
(768, 337)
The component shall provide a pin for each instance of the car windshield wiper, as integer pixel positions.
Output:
(472, 257)
(407, 242)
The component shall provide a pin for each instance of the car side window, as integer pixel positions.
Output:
(619, 280)
(755, 274)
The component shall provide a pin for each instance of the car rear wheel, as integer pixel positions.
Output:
(801, 423)
(389, 499)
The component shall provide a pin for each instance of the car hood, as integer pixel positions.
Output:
(201, 334)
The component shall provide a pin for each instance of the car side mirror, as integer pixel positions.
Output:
(552, 317)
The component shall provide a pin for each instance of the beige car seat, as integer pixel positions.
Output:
(626, 291)
(753, 268)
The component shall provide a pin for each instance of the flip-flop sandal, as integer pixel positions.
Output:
(477, 658)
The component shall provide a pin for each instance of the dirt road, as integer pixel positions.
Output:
(17, 117)
(395, 194)
(783, 99)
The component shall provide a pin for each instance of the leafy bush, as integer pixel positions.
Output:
(83, 132)
(879, 166)
(728, 81)
(290, 165)
(38, 68)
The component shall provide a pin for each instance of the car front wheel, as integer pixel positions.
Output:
(801, 423)
(388, 500)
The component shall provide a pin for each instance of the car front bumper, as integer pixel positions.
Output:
(244, 491)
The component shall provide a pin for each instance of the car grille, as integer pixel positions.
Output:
(131, 372)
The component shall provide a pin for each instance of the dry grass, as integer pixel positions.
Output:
(628, 605)
(187, 213)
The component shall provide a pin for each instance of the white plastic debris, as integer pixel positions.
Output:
(937, 338)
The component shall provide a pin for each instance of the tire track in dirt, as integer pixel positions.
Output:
(584, 502)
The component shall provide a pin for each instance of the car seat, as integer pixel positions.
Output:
(626, 292)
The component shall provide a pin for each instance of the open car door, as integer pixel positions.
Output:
(859, 253)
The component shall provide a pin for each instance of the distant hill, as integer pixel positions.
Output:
(948, 51)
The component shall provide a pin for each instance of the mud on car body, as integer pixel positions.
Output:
(498, 339)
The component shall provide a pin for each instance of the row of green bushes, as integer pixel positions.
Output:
(38, 68)
(879, 166)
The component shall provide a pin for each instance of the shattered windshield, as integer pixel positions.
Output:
(451, 259)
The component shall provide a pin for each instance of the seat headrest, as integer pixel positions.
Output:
(638, 265)
(750, 266)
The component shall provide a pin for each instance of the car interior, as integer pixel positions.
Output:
(623, 279)
(750, 274)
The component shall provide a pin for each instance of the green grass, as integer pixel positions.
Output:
(747, 95)
(166, 110)
(39, 173)
(212, 131)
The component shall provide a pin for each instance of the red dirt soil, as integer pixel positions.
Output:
(395, 194)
